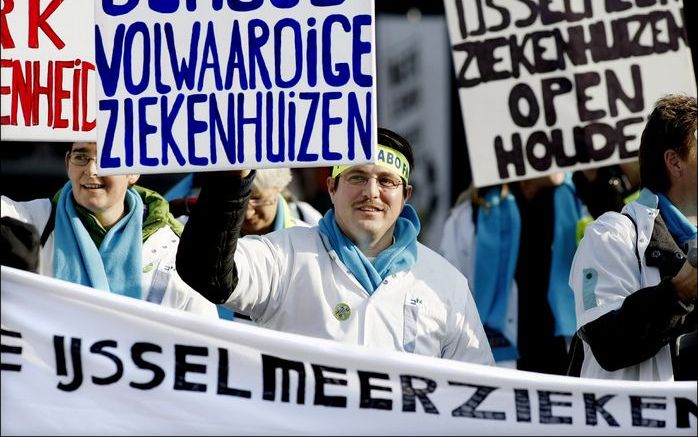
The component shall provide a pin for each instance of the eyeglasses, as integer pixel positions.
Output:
(258, 203)
(80, 159)
(384, 181)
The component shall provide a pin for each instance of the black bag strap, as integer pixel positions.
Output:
(637, 249)
(50, 225)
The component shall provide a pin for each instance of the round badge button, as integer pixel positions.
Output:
(342, 311)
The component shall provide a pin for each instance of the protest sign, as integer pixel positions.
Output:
(559, 86)
(78, 361)
(196, 86)
(414, 83)
(47, 71)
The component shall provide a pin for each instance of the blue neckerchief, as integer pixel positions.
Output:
(181, 189)
(497, 248)
(116, 265)
(280, 220)
(676, 222)
(568, 212)
(401, 255)
(492, 280)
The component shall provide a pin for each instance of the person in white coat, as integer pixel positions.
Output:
(359, 277)
(106, 233)
(635, 290)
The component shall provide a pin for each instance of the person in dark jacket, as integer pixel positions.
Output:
(635, 289)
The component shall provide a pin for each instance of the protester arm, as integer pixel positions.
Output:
(205, 256)
(623, 322)
(635, 332)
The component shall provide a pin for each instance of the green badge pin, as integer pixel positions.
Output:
(342, 311)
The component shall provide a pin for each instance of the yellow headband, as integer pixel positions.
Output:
(388, 158)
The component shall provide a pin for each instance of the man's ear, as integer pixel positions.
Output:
(672, 162)
(331, 188)
(132, 179)
(66, 161)
(408, 193)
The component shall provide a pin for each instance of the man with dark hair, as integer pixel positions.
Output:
(635, 290)
(359, 277)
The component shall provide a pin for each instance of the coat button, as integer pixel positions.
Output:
(655, 254)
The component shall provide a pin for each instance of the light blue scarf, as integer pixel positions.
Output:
(280, 219)
(181, 189)
(401, 255)
(116, 265)
(676, 222)
(497, 249)
(568, 212)
(497, 255)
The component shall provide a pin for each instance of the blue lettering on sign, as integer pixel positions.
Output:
(327, 122)
(133, 30)
(145, 129)
(248, 88)
(168, 118)
(172, 6)
(342, 69)
(194, 127)
(210, 50)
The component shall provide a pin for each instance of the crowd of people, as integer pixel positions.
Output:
(588, 274)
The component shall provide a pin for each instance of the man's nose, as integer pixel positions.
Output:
(372, 189)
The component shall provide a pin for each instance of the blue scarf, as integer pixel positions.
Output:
(401, 255)
(116, 265)
(280, 219)
(497, 255)
(568, 212)
(496, 248)
(676, 222)
(181, 190)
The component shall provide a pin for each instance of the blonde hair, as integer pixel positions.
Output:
(272, 178)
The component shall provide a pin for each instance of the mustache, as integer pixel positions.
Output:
(367, 203)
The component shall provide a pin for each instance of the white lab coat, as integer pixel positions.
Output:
(292, 281)
(608, 247)
(160, 282)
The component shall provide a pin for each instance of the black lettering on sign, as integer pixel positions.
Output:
(366, 401)
(469, 408)
(637, 405)
(410, 394)
(320, 380)
(592, 406)
(6, 349)
(269, 366)
(137, 351)
(61, 365)
(683, 408)
(546, 407)
(523, 405)
(223, 370)
(182, 367)
(98, 348)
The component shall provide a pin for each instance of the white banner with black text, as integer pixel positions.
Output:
(76, 361)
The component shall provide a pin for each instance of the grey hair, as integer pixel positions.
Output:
(272, 178)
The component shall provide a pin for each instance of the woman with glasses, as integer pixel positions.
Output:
(359, 277)
(109, 234)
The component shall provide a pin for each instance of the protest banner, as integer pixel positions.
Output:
(78, 361)
(197, 86)
(560, 86)
(47, 71)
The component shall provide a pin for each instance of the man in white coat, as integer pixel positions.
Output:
(108, 234)
(358, 277)
(635, 290)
